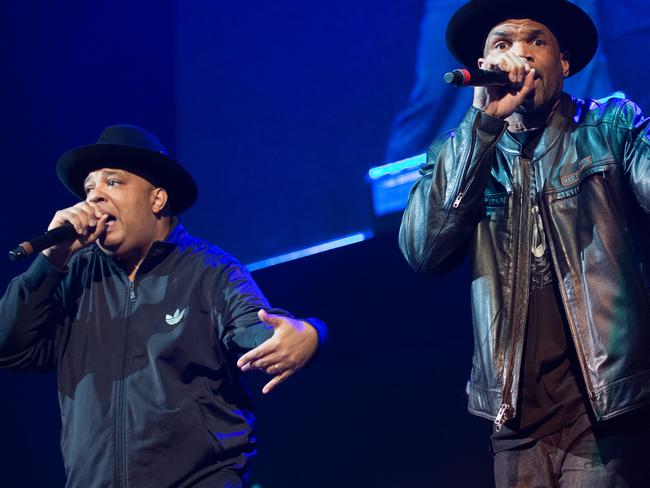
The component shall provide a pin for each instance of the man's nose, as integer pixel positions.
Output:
(95, 196)
(521, 49)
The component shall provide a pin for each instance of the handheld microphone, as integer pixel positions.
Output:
(476, 77)
(48, 239)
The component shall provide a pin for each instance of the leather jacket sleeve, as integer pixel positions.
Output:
(30, 311)
(633, 133)
(447, 202)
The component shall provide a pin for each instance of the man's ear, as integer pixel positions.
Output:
(565, 57)
(160, 198)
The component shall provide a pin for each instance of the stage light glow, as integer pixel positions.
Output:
(396, 167)
(391, 183)
(309, 251)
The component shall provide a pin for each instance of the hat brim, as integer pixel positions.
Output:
(74, 166)
(470, 25)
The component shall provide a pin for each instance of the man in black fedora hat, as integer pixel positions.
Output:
(549, 195)
(146, 327)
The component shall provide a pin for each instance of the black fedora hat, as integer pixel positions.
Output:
(135, 150)
(470, 25)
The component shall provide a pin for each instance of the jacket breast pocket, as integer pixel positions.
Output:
(594, 200)
(567, 185)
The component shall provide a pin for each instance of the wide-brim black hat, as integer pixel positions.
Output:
(135, 150)
(470, 25)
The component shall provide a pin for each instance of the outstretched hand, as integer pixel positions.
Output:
(293, 343)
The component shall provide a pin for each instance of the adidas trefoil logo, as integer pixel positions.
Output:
(176, 318)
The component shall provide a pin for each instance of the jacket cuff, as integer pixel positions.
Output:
(42, 273)
(488, 124)
(321, 331)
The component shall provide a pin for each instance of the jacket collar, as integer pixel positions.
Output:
(556, 127)
(159, 250)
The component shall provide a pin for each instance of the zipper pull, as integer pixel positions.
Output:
(501, 417)
(458, 200)
(132, 291)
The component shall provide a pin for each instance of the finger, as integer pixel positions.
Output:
(82, 216)
(266, 362)
(57, 221)
(489, 62)
(273, 320)
(518, 71)
(529, 83)
(99, 229)
(515, 75)
(510, 65)
(274, 369)
(502, 62)
(263, 363)
(83, 222)
(245, 367)
(69, 215)
(94, 208)
(276, 380)
(522, 67)
(91, 212)
(74, 215)
(256, 354)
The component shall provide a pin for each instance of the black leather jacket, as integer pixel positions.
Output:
(592, 168)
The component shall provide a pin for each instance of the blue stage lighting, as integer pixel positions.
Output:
(325, 246)
(391, 183)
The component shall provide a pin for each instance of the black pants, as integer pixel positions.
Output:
(231, 473)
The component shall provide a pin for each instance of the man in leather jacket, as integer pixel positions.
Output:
(550, 195)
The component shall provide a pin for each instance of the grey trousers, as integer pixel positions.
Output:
(612, 455)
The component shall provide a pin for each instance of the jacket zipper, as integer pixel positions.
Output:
(472, 176)
(503, 415)
(463, 175)
(120, 411)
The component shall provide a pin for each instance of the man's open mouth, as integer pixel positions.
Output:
(110, 219)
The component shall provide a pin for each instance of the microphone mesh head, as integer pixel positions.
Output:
(455, 77)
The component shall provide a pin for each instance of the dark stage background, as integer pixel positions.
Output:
(278, 109)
